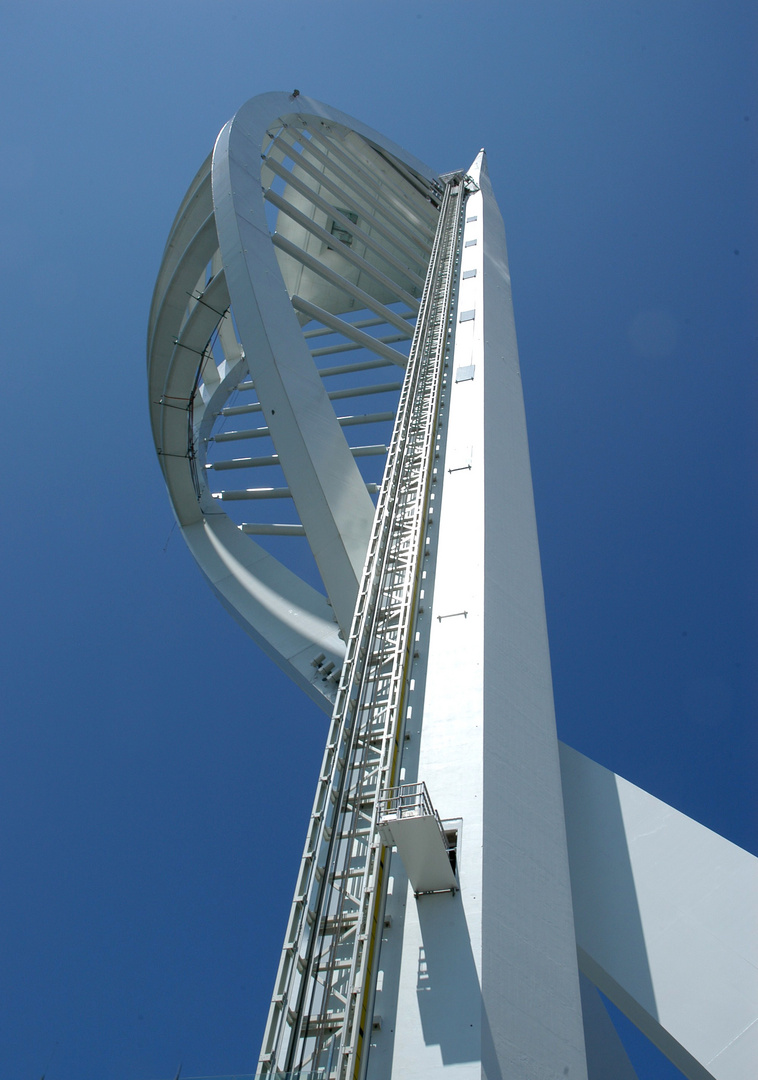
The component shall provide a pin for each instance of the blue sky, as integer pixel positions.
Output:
(156, 770)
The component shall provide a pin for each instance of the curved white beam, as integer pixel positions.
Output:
(326, 485)
(290, 621)
(188, 388)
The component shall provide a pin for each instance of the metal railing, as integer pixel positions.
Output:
(407, 800)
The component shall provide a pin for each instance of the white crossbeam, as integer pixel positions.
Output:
(350, 330)
(326, 272)
(342, 249)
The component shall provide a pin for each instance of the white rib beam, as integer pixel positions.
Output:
(273, 459)
(420, 236)
(349, 330)
(341, 248)
(326, 272)
(344, 421)
(263, 528)
(244, 463)
(388, 187)
(362, 391)
(268, 493)
(418, 258)
(369, 451)
(348, 369)
(366, 418)
(239, 410)
(253, 493)
(235, 436)
(331, 350)
(360, 324)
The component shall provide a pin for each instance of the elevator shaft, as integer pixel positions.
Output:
(321, 1009)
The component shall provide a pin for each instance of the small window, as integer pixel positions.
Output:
(339, 232)
(451, 841)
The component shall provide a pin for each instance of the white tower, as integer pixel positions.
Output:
(465, 879)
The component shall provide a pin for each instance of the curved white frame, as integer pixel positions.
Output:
(223, 208)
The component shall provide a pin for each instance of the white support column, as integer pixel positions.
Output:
(483, 983)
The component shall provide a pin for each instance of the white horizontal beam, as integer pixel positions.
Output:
(362, 391)
(348, 369)
(235, 436)
(239, 410)
(420, 235)
(366, 418)
(349, 330)
(417, 258)
(331, 350)
(341, 248)
(273, 459)
(263, 528)
(344, 421)
(359, 323)
(246, 494)
(326, 272)
(369, 451)
(244, 463)
(253, 493)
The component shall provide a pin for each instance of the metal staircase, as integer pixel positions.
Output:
(323, 999)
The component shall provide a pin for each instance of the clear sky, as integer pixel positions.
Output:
(156, 772)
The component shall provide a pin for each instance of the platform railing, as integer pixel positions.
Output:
(406, 800)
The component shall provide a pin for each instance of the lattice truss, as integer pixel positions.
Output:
(321, 1005)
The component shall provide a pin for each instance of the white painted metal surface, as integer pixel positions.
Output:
(666, 918)
(483, 983)
(305, 236)
(409, 823)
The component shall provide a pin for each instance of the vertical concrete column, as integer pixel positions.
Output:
(530, 988)
(483, 983)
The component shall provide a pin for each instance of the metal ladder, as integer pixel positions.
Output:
(323, 995)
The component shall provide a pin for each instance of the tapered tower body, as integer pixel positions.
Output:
(342, 316)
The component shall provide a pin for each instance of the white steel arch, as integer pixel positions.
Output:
(228, 312)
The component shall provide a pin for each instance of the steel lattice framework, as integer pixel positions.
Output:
(319, 1012)
(383, 552)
